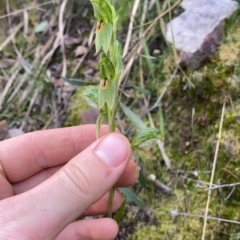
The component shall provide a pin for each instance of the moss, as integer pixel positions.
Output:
(76, 105)
(192, 117)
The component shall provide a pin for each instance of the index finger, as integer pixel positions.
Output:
(23, 156)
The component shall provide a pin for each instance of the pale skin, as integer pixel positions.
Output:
(50, 178)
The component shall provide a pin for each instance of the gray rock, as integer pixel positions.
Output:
(198, 31)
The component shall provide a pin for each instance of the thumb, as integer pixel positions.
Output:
(75, 187)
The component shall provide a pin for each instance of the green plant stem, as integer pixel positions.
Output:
(110, 201)
(111, 123)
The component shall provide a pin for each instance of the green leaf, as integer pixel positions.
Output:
(143, 181)
(115, 22)
(103, 11)
(99, 123)
(119, 214)
(133, 117)
(118, 57)
(131, 197)
(103, 37)
(107, 69)
(77, 82)
(161, 121)
(141, 90)
(107, 94)
(90, 95)
(145, 137)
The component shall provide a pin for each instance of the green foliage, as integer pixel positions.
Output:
(191, 121)
(107, 94)
(103, 11)
(133, 117)
(78, 82)
(111, 65)
(107, 69)
(116, 53)
(103, 37)
(120, 212)
(90, 95)
(145, 137)
(131, 197)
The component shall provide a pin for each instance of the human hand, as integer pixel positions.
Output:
(50, 178)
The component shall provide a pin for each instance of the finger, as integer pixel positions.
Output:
(73, 189)
(35, 180)
(128, 178)
(90, 229)
(23, 156)
(101, 206)
(6, 189)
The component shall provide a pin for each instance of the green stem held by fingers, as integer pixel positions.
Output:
(106, 97)
(110, 67)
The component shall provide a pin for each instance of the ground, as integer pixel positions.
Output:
(190, 114)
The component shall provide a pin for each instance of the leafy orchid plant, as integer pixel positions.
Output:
(105, 99)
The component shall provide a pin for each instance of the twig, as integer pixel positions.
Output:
(138, 47)
(224, 185)
(26, 22)
(159, 143)
(213, 171)
(154, 22)
(9, 83)
(208, 218)
(51, 52)
(130, 27)
(27, 9)
(11, 36)
(61, 26)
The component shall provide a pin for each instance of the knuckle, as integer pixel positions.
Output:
(79, 178)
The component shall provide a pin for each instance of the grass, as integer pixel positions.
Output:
(191, 105)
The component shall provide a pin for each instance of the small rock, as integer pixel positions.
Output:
(89, 116)
(198, 31)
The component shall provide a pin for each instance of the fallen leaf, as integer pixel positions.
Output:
(41, 27)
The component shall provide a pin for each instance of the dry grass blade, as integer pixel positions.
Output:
(26, 22)
(209, 218)
(130, 28)
(61, 26)
(156, 104)
(24, 122)
(138, 47)
(11, 36)
(213, 171)
(28, 9)
(159, 143)
(8, 85)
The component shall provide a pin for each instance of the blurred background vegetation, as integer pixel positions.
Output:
(42, 41)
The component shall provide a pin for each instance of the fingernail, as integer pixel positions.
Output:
(112, 149)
